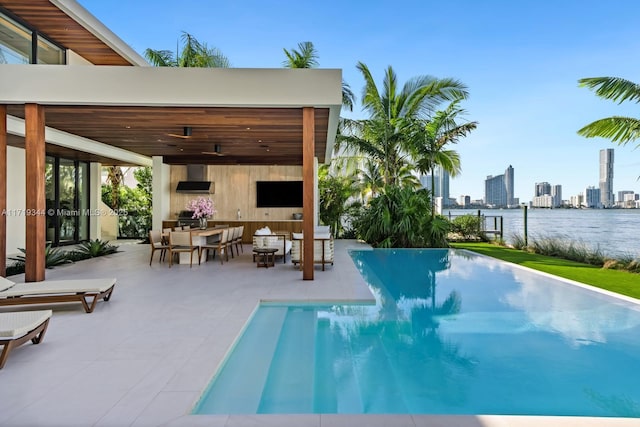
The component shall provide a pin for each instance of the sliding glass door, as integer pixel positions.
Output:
(67, 194)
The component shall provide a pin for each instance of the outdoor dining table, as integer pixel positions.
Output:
(199, 238)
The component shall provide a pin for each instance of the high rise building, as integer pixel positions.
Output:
(592, 197)
(441, 184)
(542, 189)
(498, 190)
(556, 196)
(465, 201)
(508, 182)
(606, 178)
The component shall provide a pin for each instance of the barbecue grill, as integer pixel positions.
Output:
(185, 218)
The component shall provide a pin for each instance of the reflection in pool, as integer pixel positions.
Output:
(450, 333)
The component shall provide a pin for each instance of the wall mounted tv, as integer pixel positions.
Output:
(279, 194)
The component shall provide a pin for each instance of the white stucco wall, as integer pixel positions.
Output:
(16, 190)
(75, 59)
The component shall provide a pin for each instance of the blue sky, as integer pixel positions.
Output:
(520, 59)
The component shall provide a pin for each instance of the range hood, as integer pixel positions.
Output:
(196, 181)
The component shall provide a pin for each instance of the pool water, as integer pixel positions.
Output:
(450, 333)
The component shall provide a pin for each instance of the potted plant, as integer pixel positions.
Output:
(202, 208)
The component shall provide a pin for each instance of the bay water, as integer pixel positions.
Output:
(615, 232)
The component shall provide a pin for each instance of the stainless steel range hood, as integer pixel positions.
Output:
(196, 182)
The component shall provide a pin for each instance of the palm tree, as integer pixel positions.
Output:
(193, 54)
(620, 130)
(385, 135)
(430, 141)
(306, 56)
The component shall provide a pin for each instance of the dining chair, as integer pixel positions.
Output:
(182, 241)
(155, 239)
(220, 246)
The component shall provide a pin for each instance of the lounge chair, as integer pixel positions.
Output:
(87, 291)
(322, 247)
(17, 328)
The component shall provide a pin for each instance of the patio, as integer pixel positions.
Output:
(144, 358)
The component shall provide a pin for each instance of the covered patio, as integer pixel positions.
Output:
(135, 116)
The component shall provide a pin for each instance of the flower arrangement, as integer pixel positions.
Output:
(202, 207)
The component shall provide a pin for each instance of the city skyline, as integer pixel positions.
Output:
(520, 60)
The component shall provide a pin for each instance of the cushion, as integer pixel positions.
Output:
(5, 284)
(17, 324)
(263, 231)
(297, 236)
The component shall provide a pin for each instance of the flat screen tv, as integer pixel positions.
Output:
(279, 194)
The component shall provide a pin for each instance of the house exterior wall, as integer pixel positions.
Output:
(16, 190)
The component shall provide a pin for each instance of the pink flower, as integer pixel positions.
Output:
(202, 207)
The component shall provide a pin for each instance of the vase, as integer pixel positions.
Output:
(203, 223)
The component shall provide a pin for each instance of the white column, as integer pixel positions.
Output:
(160, 187)
(95, 197)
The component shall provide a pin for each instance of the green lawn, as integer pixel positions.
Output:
(622, 282)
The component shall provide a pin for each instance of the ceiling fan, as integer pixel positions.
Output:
(217, 151)
(186, 133)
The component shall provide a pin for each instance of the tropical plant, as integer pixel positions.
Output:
(96, 248)
(385, 135)
(115, 178)
(620, 130)
(193, 54)
(399, 217)
(335, 192)
(468, 226)
(306, 56)
(52, 257)
(430, 140)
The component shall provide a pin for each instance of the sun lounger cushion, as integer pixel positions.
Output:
(16, 324)
(59, 287)
(5, 284)
(86, 291)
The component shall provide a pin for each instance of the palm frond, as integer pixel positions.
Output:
(305, 56)
(160, 58)
(614, 88)
(618, 129)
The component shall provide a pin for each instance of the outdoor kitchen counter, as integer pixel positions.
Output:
(250, 225)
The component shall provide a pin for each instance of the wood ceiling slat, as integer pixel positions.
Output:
(60, 28)
(274, 137)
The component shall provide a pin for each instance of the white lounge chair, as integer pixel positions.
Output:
(87, 291)
(20, 327)
(322, 247)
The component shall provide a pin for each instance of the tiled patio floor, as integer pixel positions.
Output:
(144, 358)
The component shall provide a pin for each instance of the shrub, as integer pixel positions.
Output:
(400, 217)
(469, 227)
(95, 248)
(52, 256)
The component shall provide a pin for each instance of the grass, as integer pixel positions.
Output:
(618, 281)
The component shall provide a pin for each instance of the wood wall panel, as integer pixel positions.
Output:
(235, 188)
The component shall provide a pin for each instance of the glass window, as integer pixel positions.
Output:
(48, 53)
(67, 199)
(50, 195)
(15, 42)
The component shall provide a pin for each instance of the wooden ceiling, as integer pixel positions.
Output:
(63, 30)
(244, 135)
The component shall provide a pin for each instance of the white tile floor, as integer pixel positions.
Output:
(144, 358)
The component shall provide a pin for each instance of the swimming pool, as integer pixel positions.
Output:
(451, 333)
